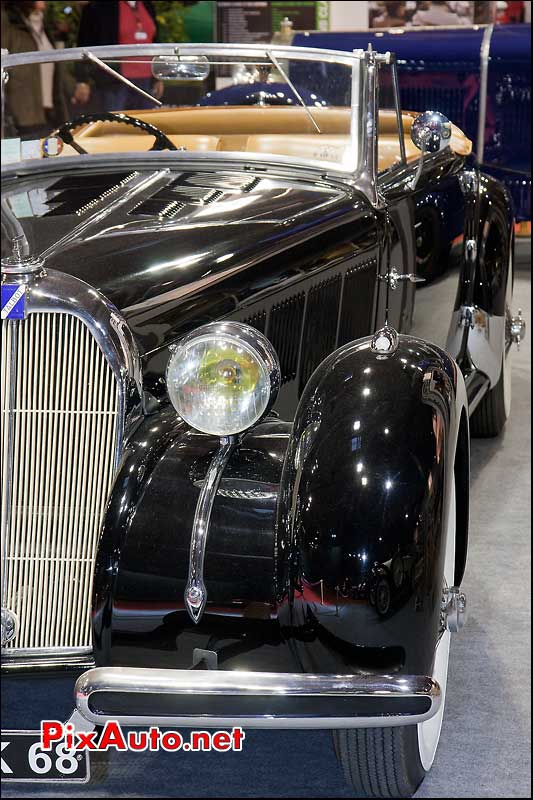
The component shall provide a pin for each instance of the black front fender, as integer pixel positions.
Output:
(364, 503)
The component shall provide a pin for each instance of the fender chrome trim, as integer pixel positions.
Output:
(213, 698)
(195, 591)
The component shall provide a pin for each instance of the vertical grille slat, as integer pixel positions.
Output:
(322, 315)
(257, 321)
(284, 329)
(357, 302)
(63, 425)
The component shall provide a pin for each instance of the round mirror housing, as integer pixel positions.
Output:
(431, 131)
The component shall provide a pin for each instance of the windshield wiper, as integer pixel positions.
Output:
(284, 75)
(88, 56)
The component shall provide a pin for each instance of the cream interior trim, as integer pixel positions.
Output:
(274, 131)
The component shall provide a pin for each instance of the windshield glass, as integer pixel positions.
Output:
(257, 103)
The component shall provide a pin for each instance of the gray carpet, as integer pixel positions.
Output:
(485, 746)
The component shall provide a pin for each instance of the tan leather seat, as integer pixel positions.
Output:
(231, 120)
(317, 147)
(258, 129)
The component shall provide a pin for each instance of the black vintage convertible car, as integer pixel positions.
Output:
(244, 339)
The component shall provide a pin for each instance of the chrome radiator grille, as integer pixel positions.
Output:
(60, 412)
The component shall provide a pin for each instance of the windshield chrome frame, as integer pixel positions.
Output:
(364, 107)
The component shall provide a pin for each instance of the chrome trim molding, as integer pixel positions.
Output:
(386, 340)
(398, 109)
(7, 476)
(164, 158)
(485, 337)
(471, 251)
(455, 609)
(236, 685)
(469, 181)
(394, 278)
(367, 178)
(44, 659)
(195, 591)
(106, 52)
(518, 328)
(57, 292)
(483, 87)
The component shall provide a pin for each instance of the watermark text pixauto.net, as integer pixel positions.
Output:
(113, 737)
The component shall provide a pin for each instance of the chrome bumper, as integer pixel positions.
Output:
(213, 698)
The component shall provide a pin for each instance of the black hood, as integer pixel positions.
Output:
(150, 240)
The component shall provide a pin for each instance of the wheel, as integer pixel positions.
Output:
(393, 762)
(489, 418)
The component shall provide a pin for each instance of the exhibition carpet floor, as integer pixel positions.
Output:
(485, 745)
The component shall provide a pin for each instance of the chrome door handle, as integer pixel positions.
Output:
(394, 278)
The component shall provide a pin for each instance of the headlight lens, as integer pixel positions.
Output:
(223, 378)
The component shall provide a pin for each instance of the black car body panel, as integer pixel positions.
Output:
(364, 499)
(139, 613)
(337, 575)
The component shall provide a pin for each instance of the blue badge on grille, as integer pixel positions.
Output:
(13, 301)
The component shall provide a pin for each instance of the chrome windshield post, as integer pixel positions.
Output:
(370, 126)
(398, 107)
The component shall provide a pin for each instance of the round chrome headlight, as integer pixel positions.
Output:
(223, 378)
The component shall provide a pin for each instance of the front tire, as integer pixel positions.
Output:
(489, 418)
(380, 762)
(393, 762)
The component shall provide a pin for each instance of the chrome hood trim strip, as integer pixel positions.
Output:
(195, 590)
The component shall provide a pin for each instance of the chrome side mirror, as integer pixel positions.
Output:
(430, 132)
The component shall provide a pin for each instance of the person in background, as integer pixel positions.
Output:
(116, 23)
(36, 95)
(394, 15)
(439, 13)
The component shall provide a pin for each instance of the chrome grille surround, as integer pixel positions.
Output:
(68, 323)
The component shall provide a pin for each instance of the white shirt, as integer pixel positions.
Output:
(36, 24)
(439, 15)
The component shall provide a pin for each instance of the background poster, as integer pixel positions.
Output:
(383, 14)
(257, 21)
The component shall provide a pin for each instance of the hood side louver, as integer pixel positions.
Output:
(193, 190)
(75, 194)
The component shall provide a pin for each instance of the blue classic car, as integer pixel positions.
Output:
(478, 76)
